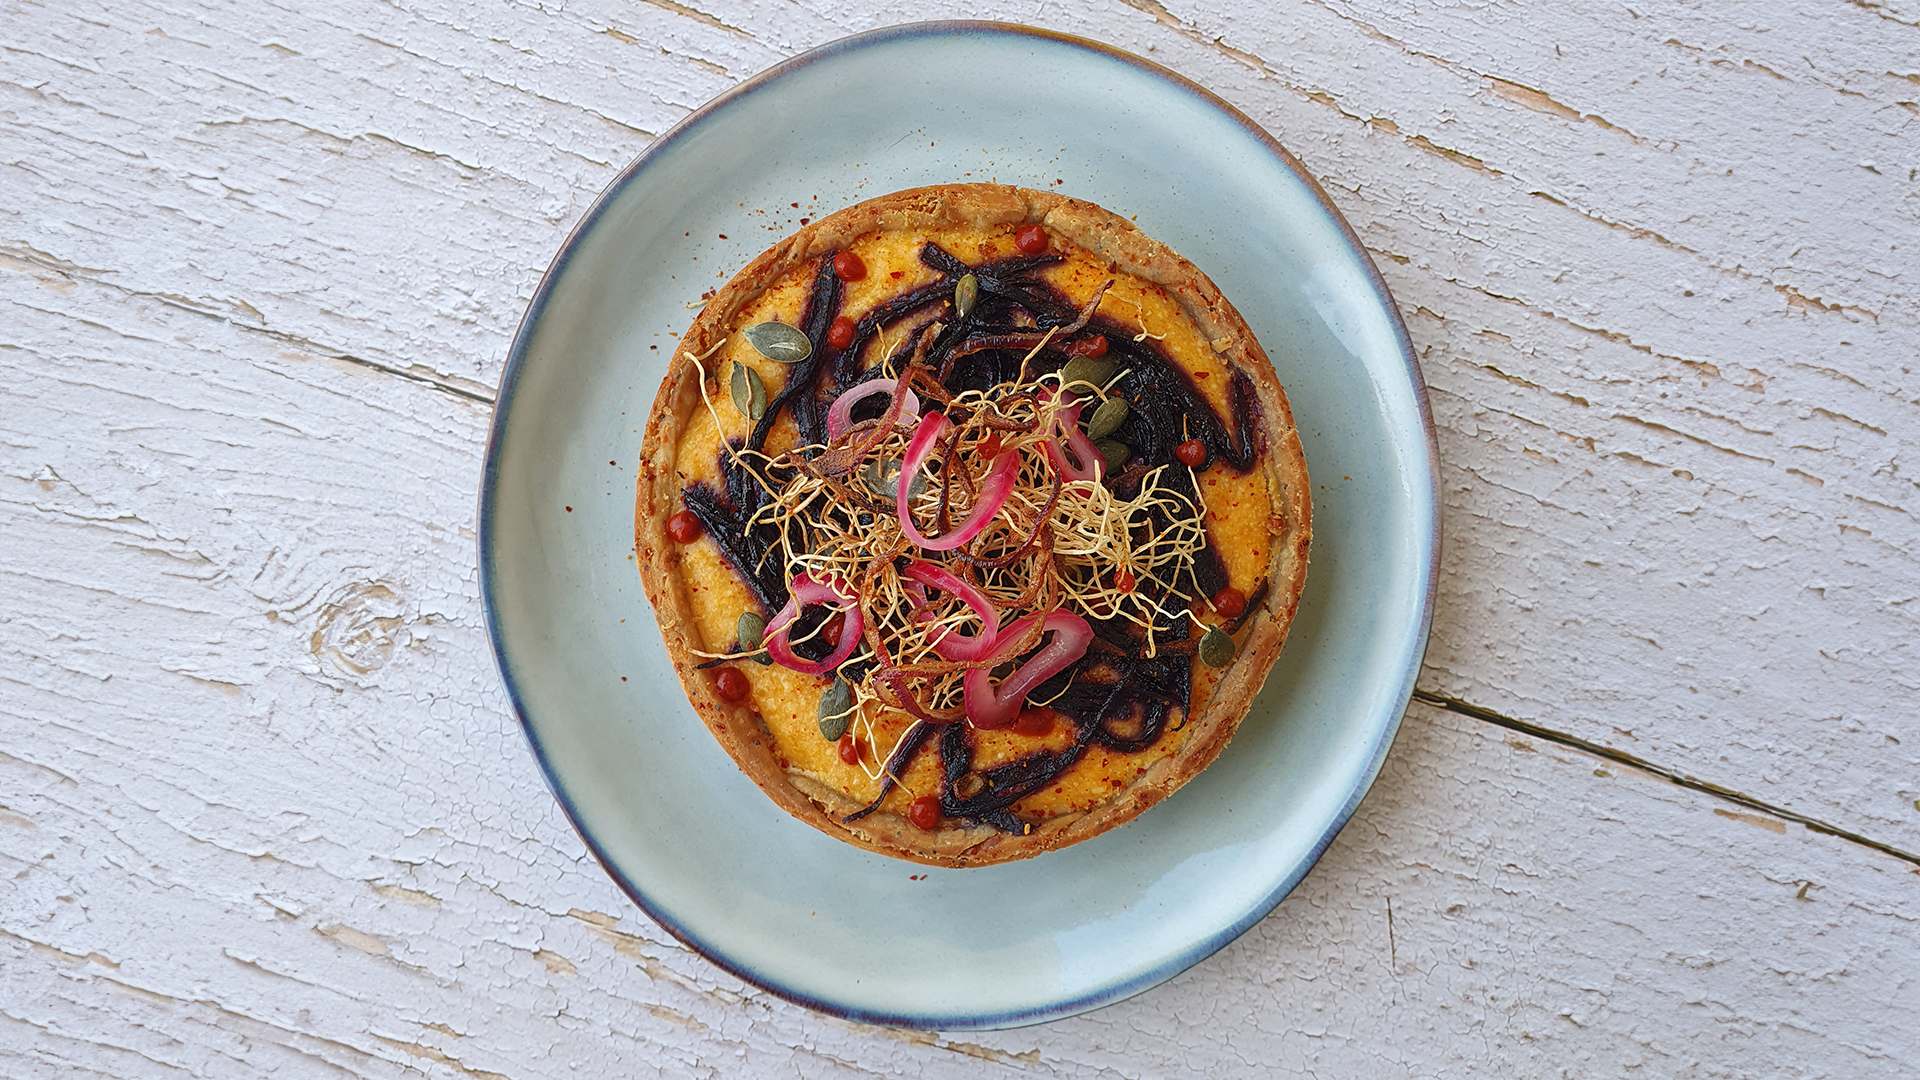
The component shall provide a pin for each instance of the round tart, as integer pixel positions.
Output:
(973, 519)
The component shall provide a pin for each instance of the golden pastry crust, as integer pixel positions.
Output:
(1125, 251)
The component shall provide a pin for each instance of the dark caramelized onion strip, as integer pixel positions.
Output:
(896, 763)
(798, 395)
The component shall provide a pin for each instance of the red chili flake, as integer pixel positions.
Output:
(803, 221)
(897, 274)
(569, 509)
(1203, 374)
(723, 236)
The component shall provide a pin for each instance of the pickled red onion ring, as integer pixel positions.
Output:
(993, 490)
(805, 590)
(989, 707)
(840, 414)
(951, 644)
(1091, 461)
(919, 604)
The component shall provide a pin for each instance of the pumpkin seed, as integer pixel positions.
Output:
(1085, 369)
(1216, 647)
(1116, 454)
(749, 393)
(836, 710)
(965, 295)
(1110, 415)
(778, 341)
(752, 632)
(883, 479)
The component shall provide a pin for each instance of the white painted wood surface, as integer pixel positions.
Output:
(263, 810)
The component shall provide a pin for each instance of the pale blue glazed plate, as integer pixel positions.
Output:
(691, 839)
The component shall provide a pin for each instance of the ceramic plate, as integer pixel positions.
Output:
(690, 838)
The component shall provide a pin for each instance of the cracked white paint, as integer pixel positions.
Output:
(263, 809)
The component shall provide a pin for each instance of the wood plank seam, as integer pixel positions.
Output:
(1705, 787)
(417, 373)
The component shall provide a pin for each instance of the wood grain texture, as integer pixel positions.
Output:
(262, 805)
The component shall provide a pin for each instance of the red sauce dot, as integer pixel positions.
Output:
(682, 528)
(1030, 239)
(1034, 723)
(1093, 348)
(925, 812)
(730, 684)
(1124, 581)
(1191, 453)
(850, 749)
(840, 334)
(849, 267)
(836, 623)
(1230, 602)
